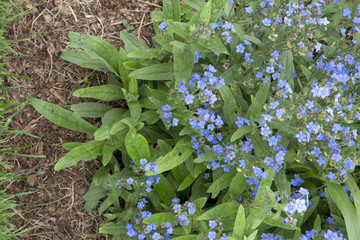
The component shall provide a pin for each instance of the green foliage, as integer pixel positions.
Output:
(239, 178)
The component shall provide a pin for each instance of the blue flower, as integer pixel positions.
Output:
(162, 26)
(347, 13)
(290, 208)
(265, 131)
(241, 121)
(130, 181)
(184, 220)
(166, 108)
(248, 10)
(288, 21)
(211, 235)
(331, 176)
(297, 181)
(191, 207)
(189, 99)
(240, 48)
(212, 223)
(348, 164)
(267, 22)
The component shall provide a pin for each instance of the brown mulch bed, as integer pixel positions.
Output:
(56, 208)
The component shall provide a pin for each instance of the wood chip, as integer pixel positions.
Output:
(56, 94)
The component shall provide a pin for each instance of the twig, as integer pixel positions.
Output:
(152, 4)
(141, 23)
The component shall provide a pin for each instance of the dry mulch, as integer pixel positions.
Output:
(56, 208)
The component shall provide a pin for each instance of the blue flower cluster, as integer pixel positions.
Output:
(148, 231)
(170, 121)
(182, 212)
(309, 235)
(146, 166)
(216, 230)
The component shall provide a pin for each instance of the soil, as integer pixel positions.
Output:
(55, 209)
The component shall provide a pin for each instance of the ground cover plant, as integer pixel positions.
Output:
(8, 109)
(242, 123)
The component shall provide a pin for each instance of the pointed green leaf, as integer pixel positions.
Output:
(205, 13)
(348, 211)
(229, 107)
(90, 109)
(219, 211)
(239, 225)
(171, 9)
(106, 92)
(163, 71)
(62, 117)
(87, 151)
(183, 63)
(131, 42)
(137, 146)
(182, 150)
(239, 133)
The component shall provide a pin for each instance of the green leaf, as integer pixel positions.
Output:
(237, 186)
(239, 133)
(87, 151)
(135, 110)
(241, 34)
(149, 53)
(107, 154)
(282, 125)
(207, 157)
(160, 218)
(196, 4)
(317, 223)
(348, 211)
(214, 44)
(112, 228)
(165, 190)
(261, 147)
(90, 109)
(287, 62)
(157, 15)
(239, 225)
(62, 117)
(183, 63)
(137, 146)
(200, 202)
(265, 183)
(252, 236)
(354, 189)
(229, 107)
(171, 9)
(133, 86)
(282, 184)
(71, 145)
(162, 71)
(199, 168)
(205, 13)
(82, 59)
(306, 72)
(106, 92)
(97, 49)
(221, 183)
(132, 43)
(182, 29)
(93, 196)
(219, 211)
(257, 102)
(182, 150)
(189, 237)
(100, 175)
